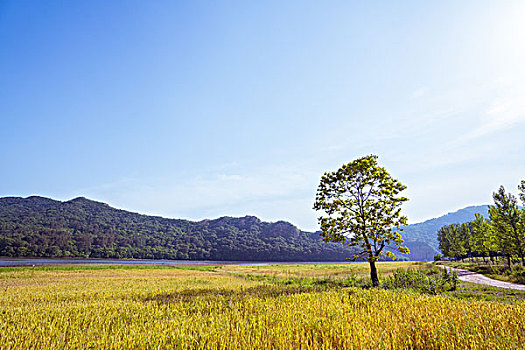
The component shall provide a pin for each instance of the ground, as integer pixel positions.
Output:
(241, 307)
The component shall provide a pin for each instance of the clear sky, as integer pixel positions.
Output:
(201, 109)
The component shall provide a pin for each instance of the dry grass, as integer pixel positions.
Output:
(184, 309)
(319, 270)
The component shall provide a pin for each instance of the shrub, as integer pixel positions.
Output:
(432, 281)
(518, 273)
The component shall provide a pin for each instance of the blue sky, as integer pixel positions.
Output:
(200, 109)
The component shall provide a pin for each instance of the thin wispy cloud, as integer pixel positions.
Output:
(499, 116)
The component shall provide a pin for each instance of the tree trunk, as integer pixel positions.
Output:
(373, 274)
(508, 260)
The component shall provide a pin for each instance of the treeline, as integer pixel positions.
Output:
(501, 235)
(42, 227)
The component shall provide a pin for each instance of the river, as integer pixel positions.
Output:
(6, 262)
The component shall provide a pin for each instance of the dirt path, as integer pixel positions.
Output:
(474, 277)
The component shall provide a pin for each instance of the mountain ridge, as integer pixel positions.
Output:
(421, 237)
(99, 230)
(43, 227)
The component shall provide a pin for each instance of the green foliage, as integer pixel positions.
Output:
(505, 215)
(360, 207)
(502, 234)
(517, 274)
(42, 227)
(482, 238)
(454, 240)
(319, 282)
(438, 257)
(429, 281)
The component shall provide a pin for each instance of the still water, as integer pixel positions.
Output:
(51, 262)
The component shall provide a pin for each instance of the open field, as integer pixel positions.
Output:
(335, 271)
(206, 307)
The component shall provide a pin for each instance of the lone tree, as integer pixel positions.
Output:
(360, 207)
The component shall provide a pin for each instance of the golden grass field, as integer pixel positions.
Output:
(176, 308)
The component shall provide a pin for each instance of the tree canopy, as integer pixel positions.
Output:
(360, 207)
(502, 234)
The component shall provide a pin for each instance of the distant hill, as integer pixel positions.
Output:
(43, 227)
(421, 238)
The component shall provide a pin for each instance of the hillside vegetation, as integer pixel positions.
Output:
(42, 227)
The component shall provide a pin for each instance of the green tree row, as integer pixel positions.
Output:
(502, 234)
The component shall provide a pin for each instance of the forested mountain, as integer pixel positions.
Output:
(421, 238)
(43, 227)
